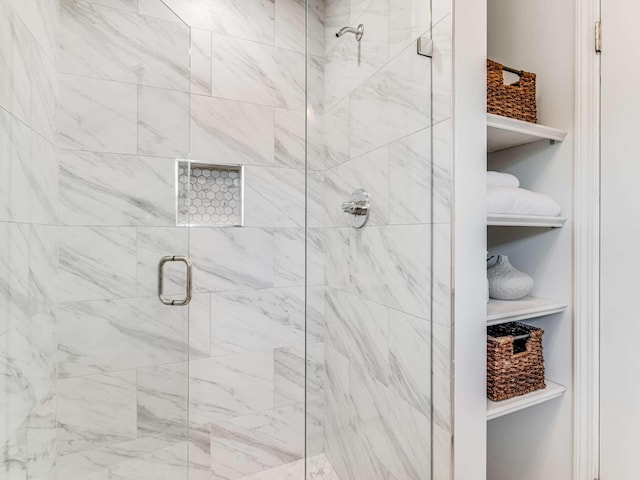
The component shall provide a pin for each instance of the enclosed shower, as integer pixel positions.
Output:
(225, 239)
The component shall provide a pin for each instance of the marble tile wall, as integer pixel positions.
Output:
(131, 101)
(387, 312)
(28, 218)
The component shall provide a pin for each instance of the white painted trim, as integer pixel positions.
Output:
(587, 245)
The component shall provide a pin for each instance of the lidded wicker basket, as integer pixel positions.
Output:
(517, 100)
(515, 365)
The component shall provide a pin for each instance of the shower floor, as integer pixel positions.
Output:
(319, 468)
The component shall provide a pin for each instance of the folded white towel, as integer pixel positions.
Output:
(498, 179)
(518, 201)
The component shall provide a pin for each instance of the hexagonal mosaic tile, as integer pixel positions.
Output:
(211, 195)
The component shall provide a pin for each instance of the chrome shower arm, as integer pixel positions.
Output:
(357, 31)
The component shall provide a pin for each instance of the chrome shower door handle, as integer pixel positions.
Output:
(173, 258)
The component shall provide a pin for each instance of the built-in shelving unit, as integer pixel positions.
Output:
(502, 220)
(503, 133)
(501, 311)
(505, 407)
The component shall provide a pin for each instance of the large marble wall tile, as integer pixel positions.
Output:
(6, 45)
(274, 197)
(162, 401)
(201, 69)
(299, 254)
(112, 335)
(442, 418)
(357, 8)
(27, 364)
(315, 199)
(392, 265)
(95, 411)
(42, 172)
(96, 263)
(43, 268)
(315, 141)
(127, 5)
(151, 245)
(110, 189)
(315, 83)
(337, 134)
(439, 9)
(392, 104)
(44, 93)
(225, 131)
(315, 312)
(257, 73)
(22, 47)
(395, 434)
(230, 385)
(99, 463)
(14, 281)
(254, 320)
(442, 167)
(410, 179)
(163, 122)
(292, 379)
(349, 63)
(29, 191)
(168, 463)
(113, 44)
(41, 19)
(442, 65)
(247, 445)
(158, 9)
(41, 438)
(369, 172)
(200, 326)
(290, 22)
(290, 28)
(359, 329)
(231, 259)
(249, 19)
(442, 275)
(199, 452)
(289, 138)
(408, 19)
(410, 359)
(97, 115)
(338, 257)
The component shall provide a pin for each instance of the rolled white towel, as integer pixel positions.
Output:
(518, 201)
(499, 179)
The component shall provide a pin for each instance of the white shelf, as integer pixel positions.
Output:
(501, 311)
(499, 220)
(499, 409)
(503, 133)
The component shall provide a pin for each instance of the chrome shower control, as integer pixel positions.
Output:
(358, 208)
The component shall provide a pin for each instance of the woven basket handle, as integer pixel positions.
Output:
(513, 70)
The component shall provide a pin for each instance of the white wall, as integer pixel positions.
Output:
(620, 230)
(539, 37)
(469, 243)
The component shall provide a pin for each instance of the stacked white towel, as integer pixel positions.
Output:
(505, 198)
(499, 179)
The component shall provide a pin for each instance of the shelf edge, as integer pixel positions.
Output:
(553, 391)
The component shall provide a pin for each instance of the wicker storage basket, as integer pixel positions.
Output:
(517, 100)
(515, 365)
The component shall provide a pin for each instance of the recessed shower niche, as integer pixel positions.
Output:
(209, 194)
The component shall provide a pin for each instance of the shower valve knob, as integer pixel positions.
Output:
(358, 208)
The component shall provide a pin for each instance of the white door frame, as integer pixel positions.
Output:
(587, 246)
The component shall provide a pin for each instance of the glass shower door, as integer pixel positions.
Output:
(378, 239)
(122, 351)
